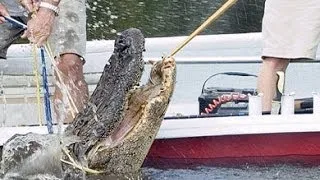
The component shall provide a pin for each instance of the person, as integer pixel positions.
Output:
(290, 31)
(64, 29)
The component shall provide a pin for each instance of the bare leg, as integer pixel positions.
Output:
(267, 79)
(71, 69)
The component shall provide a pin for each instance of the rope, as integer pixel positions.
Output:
(211, 19)
(47, 48)
(46, 93)
(37, 80)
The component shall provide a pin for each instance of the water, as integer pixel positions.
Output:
(255, 173)
(277, 172)
(158, 18)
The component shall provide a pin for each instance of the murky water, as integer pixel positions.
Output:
(246, 173)
(277, 172)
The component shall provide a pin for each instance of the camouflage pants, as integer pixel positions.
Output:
(69, 32)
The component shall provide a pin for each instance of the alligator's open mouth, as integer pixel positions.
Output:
(140, 104)
(141, 98)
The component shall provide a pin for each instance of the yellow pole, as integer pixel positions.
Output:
(212, 18)
(37, 81)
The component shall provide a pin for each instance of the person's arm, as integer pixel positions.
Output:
(41, 25)
(3, 12)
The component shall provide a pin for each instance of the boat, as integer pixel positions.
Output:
(185, 139)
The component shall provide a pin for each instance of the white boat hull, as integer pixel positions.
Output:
(201, 127)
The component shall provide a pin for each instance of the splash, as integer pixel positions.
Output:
(2, 94)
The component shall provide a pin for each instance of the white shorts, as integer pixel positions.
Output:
(291, 28)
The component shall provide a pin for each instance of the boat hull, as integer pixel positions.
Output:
(236, 150)
(293, 148)
(225, 141)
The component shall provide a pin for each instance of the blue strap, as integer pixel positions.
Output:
(15, 22)
(46, 93)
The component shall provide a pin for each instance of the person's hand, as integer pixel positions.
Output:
(30, 5)
(3, 12)
(40, 26)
